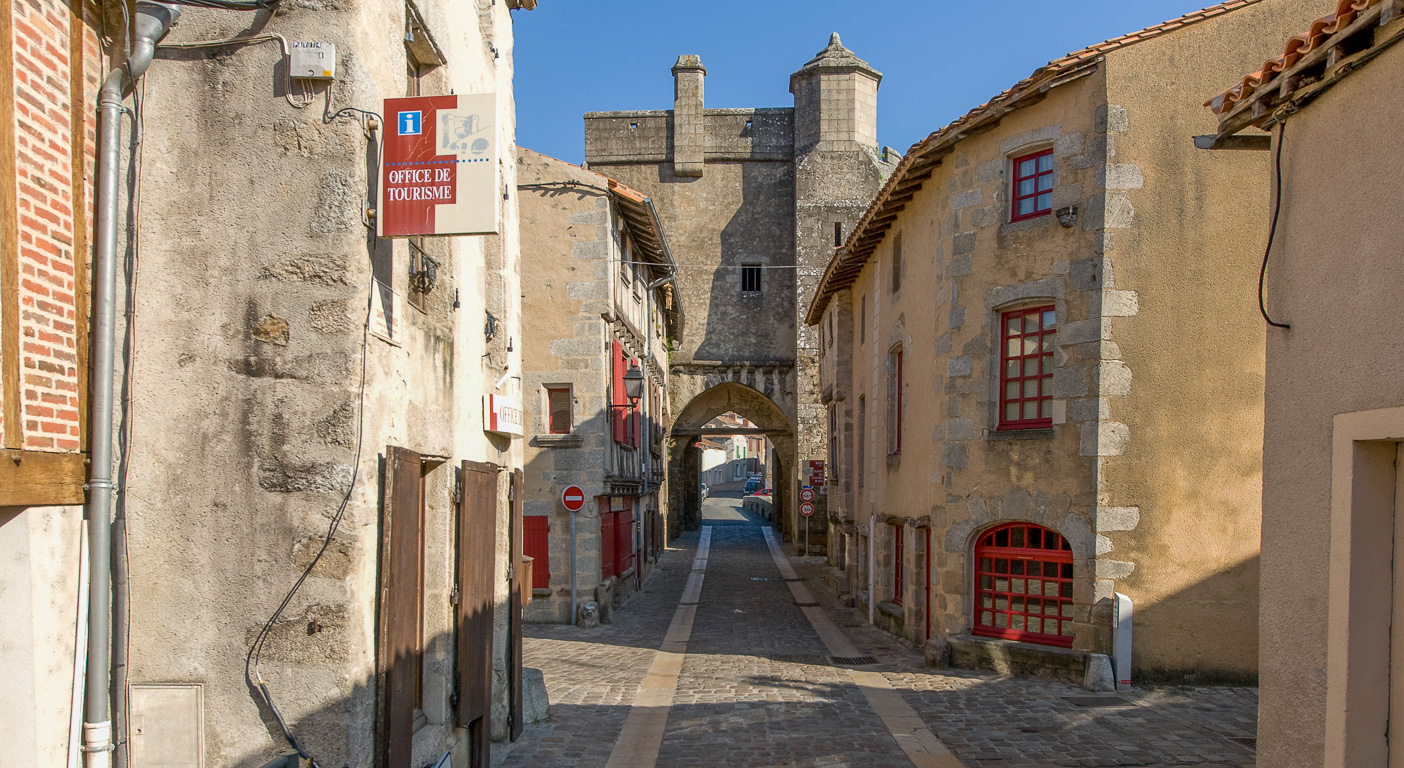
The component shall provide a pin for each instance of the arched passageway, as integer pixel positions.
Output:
(684, 460)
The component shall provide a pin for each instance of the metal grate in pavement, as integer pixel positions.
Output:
(1097, 701)
(853, 661)
(794, 579)
(806, 605)
(765, 578)
(1248, 741)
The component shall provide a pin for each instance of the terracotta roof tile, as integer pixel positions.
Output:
(1321, 30)
(846, 264)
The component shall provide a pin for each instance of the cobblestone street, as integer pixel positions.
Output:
(755, 687)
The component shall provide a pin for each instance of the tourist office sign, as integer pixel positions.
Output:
(438, 168)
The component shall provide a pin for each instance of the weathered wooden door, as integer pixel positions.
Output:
(477, 558)
(400, 614)
(514, 656)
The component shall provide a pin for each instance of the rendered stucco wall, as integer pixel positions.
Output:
(1333, 275)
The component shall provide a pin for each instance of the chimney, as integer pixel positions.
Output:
(689, 130)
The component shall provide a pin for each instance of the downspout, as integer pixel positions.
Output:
(151, 22)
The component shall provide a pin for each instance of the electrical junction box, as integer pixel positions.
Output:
(312, 61)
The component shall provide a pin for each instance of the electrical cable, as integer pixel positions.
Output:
(251, 662)
(1272, 230)
(307, 97)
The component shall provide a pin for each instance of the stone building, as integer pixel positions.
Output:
(1040, 349)
(601, 300)
(753, 200)
(299, 401)
(1329, 680)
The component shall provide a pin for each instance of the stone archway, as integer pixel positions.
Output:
(735, 394)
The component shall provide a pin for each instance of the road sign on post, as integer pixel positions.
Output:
(806, 494)
(806, 509)
(573, 498)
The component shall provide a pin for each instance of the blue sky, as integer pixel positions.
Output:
(938, 58)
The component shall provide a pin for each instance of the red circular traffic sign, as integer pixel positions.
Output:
(806, 509)
(807, 494)
(573, 497)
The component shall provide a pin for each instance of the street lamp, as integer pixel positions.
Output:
(633, 386)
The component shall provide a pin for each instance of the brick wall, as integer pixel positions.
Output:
(54, 132)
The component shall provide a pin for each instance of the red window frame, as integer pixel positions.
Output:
(1033, 181)
(1013, 604)
(623, 418)
(897, 537)
(1026, 367)
(536, 544)
(553, 408)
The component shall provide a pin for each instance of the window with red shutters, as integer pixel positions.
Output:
(897, 564)
(558, 404)
(619, 416)
(1026, 368)
(1033, 185)
(607, 538)
(1023, 585)
(536, 544)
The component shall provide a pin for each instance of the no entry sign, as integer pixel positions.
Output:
(573, 497)
(439, 167)
(806, 509)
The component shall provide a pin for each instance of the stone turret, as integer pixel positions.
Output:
(689, 129)
(835, 99)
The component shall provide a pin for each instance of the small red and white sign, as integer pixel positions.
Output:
(438, 170)
(573, 498)
(807, 494)
(806, 509)
(504, 415)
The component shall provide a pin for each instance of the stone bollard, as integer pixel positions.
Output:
(536, 706)
(937, 652)
(1098, 676)
(588, 614)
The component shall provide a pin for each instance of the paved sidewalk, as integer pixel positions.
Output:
(755, 688)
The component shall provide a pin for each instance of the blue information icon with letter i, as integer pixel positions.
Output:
(410, 123)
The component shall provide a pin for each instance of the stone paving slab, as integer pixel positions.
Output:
(755, 690)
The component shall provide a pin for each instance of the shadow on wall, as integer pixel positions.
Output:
(343, 731)
(1179, 622)
(755, 326)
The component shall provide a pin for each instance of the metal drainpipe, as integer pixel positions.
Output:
(152, 21)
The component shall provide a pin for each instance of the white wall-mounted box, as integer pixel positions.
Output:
(312, 61)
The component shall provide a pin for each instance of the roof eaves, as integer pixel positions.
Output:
(1334, 46)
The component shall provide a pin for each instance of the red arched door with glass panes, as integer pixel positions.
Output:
(1023, 585)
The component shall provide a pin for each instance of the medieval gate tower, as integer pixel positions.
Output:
(754, 201)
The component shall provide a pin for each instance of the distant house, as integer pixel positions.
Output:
(1042, 366)
(599, 305)
(1332, 488)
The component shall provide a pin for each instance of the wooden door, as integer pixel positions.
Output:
(400, 615)
(514, 656)
(477, 560)
(1395, 732)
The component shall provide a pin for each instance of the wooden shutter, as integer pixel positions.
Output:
(606, 540)
(400, 650)
(514, 660)
(624, 530)
(618, 416)
(477, 560)
(537, 545)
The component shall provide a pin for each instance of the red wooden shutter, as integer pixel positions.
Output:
(607, 563)
(624, 530)
(617, 416)
(537, 545)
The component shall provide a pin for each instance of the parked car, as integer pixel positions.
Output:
(703, 489)
(752, 483)
(762, 492)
